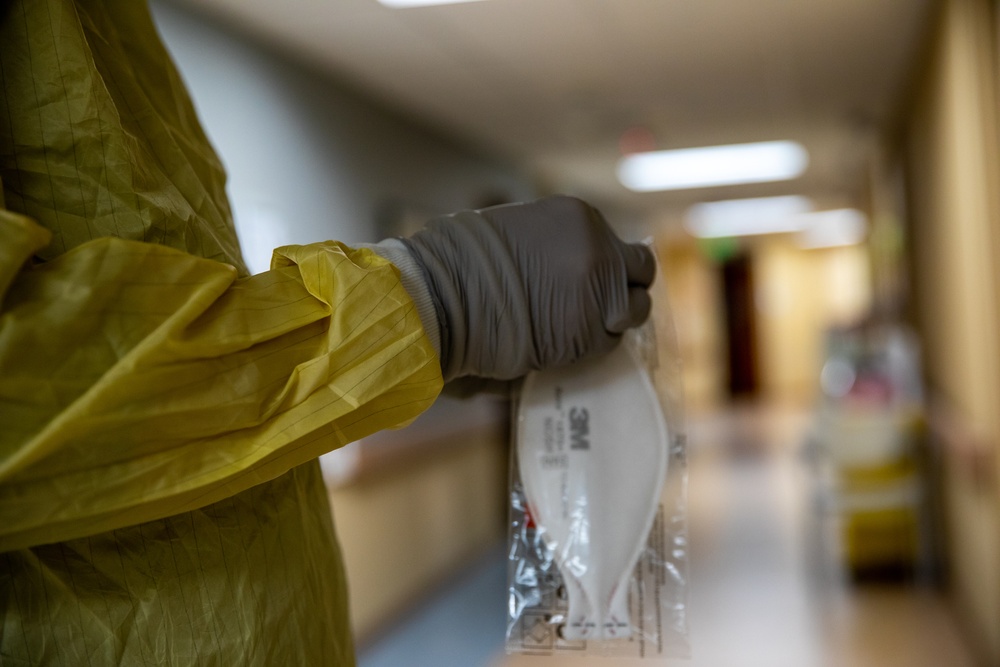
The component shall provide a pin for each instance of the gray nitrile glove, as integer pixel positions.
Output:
(522, 287)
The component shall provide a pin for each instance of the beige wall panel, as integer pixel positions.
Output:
(952, 155)
(411, 525)
(800, 295)
(691, 285)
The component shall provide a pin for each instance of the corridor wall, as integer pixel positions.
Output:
(951, 154)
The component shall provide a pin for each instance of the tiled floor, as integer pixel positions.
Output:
(765, 587)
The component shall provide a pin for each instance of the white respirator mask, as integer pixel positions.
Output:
(592, 451)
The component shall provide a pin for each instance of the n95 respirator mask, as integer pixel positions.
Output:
(592, 448)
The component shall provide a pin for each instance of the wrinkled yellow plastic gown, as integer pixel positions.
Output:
(160, 411)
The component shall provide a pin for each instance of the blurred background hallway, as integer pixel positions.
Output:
(836, 317)
(768, 585)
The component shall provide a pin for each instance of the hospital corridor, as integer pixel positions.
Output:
(448, 220)
(767, 584)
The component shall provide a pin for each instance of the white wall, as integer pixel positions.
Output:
(310, 159)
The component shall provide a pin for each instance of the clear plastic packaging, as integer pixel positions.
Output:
(597, 541)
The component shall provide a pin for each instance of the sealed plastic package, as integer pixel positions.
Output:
(597, 552)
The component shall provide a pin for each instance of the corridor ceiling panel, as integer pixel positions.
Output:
(555, 84)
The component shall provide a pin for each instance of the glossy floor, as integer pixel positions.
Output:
(766, 587)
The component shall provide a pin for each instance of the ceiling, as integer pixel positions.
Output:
(554, 84)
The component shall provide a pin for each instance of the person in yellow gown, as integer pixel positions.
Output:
(161, 410)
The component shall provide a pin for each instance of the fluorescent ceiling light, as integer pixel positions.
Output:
(775, 215)
(830, 229)
(401, 4)
(713, 165)
(747, 217)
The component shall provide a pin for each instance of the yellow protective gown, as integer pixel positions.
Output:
(161, 411)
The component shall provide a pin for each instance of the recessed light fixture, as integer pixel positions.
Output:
(775, 215)
(402, 4)
(831, 229)
(713, 165)
(747, 217)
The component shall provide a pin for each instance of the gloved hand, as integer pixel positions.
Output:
(522, 287)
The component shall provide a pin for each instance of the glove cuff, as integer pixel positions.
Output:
(473, 279)
(414, 280)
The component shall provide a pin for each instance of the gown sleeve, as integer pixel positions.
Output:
(138, 381)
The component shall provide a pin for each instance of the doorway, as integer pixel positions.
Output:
(740, 326)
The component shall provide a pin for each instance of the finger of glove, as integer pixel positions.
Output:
(640, 305)
(630, 312)
(640, 264)
(636, 311)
